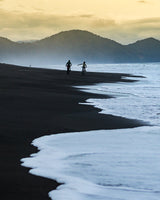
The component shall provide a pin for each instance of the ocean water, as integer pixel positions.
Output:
(134, 100)
(121, 164)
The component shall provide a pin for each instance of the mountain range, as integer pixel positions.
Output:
(78, 45)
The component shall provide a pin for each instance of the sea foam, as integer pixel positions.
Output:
(106, 164)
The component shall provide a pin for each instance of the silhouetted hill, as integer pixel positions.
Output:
(78, 45)
(13, 52)
(6, 45)
(147, 50)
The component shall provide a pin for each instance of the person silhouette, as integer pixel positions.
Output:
(84, 66)
(68, 65)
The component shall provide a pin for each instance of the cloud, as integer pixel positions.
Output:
(139, 29)
(131, 30)
(86, 15)
(142, 1)
(17, 23)
(37, 25)
(102, 23)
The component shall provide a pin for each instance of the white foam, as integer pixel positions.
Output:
(107, 164)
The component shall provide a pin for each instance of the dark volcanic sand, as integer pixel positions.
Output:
(37, 102)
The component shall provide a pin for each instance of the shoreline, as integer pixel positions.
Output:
(37, 102)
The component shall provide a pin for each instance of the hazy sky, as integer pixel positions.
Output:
(122, 20)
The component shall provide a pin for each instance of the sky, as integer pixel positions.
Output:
(124, 21)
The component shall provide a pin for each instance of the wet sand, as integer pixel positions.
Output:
(36, 102)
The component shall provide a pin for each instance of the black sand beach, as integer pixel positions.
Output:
(36, 102)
